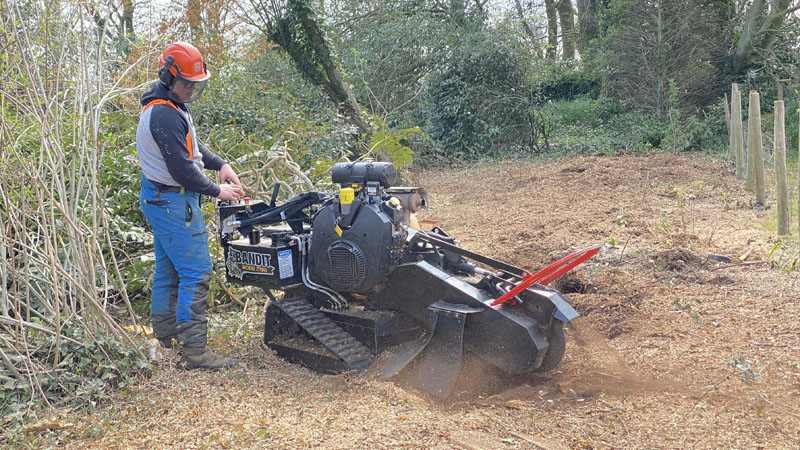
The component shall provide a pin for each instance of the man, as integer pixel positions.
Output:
(172, 162)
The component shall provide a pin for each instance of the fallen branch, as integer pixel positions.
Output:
(231, 294)
(740, 264)
(725, 378)
(12, 321)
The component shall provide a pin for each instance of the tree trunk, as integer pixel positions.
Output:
(782, 192)
(587, 23)
(127, 19)
(567, 21)
(127, 30)
(552, 28)
(194, 10)
(759, 30)
(525, 25)
(338, 90)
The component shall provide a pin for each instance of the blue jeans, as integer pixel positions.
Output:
(183, 265)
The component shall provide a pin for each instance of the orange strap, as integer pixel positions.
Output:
(161, 101)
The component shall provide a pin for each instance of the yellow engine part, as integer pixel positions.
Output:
(346, 196)
(413, 222)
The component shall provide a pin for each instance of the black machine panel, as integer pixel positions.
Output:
(272, 263)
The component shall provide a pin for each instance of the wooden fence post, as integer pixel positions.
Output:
(737, 138)
(755, 151)
(782, 191)
(728, 118)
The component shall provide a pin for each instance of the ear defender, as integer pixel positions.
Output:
(164, 74)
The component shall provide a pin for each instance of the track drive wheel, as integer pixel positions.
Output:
(558, 345)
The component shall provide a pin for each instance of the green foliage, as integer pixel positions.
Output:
(583, 111)
(585, 125)
(249, 104)
(119, 173)
(394, 143)
(483, 103)
(597, 126)
(782, 255)
(565, 80)
(388, 51)
(86, 371)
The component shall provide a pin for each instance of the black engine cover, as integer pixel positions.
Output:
(361, 257)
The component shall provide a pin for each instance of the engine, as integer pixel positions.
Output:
(358, 238)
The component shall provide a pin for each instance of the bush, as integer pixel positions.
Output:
(483, 102)
(707, 131)
(247, 106)
(583, 111)
(564, 80)
(589, 125)
(585, 125)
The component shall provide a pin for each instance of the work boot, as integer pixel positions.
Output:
(201, 358)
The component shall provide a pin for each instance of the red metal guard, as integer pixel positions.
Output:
(549, 273)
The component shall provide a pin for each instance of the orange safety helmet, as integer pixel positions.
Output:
(182, 60)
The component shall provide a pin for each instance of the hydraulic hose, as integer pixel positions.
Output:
(338, 301)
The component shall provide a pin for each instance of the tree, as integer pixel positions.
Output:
(209, 25)
(297, 29)
(483, 101)
(552, 28)
(114, 20)
(392, 62)
(657, 43)
(762, 24)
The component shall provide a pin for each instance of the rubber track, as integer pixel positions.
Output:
(323, 329)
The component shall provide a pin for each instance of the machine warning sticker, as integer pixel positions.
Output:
(285, 267)
(240, 263)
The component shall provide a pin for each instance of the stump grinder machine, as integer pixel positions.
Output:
(360, 278)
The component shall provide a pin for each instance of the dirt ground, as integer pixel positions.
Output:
(673, 350)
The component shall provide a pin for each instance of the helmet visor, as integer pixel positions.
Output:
(199, 87)
(187, 91)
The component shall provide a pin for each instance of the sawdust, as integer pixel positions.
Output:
(663, 357)
(606, 370)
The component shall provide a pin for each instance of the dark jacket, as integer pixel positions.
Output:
(167, 146)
